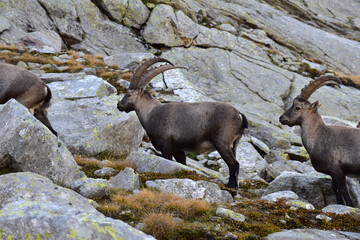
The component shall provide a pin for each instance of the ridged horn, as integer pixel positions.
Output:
(141, 69)
(150, 74)
(309, 89)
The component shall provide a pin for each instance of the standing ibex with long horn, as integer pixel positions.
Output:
(28, 89)
(174, 128)
(333, 150)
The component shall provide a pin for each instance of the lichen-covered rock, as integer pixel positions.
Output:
(127, 179)
(230, 214)
(32, 147)
(188, 188)
(49, 220)
(95, 125)
(92, 187)
(282, 195)
(341, 209)
(90, 86)
(295, 204)
(34, 187)
(146, 162)
(295, 234)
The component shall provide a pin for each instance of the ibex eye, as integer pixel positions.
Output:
(297, 108)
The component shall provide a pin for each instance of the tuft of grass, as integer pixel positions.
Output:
(74, 66)
(148, 201)
(160, 225)
(94, 61)
(73, 54)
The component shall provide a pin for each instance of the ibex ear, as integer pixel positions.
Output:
(316, 105)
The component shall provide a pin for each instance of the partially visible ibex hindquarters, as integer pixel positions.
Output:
(333, 150)
(175, 128)
(28, 89)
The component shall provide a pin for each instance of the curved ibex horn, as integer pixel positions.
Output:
(141, 69)
(309, 89)
(150, 74)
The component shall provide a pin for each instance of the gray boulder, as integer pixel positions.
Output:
(223, 212)
(29, 146)
(49, 220)
(295, 234)
(282, 195)
(127, 179)
(105, 172)
(95, 188)
(33, 187)
(88, 87)
(341, 209)
(188, 188)
(95, 125)
(295, 204)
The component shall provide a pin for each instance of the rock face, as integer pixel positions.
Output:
(95, 125)
(27, 145)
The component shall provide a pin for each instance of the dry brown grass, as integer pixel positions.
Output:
(73, 54)
(74, 66)
(160, 225)
(94, 61)
(148, 201)
(8, 47)
(105, 74)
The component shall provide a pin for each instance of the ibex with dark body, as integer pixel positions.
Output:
(174, 128)
(28, 89)
(333, 150)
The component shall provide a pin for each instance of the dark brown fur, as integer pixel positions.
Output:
(333, 150)
(28, 89)
(174, 128)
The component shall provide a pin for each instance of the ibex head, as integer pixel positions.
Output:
(141, 77)
(301, 107)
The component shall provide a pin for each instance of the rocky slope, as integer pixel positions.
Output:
(256, 55)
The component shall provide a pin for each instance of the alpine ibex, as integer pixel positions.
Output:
(174, 128)
(333, 150)
(28, 89)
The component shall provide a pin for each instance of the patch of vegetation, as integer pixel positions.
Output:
(90, 165)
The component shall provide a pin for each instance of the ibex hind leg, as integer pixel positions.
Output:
(180, 157)
(226, 152)
(341, 191)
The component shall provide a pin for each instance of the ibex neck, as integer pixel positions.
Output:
(310, 130)
(144, 106)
